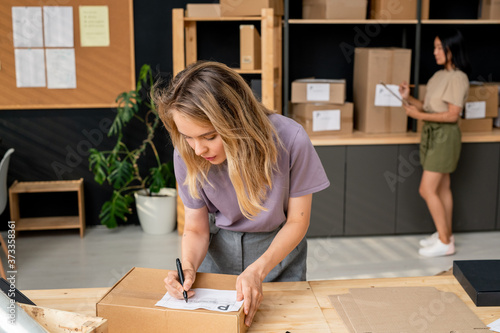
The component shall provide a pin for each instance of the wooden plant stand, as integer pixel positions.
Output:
(47, 223)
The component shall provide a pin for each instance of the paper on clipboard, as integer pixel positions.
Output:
(387, 95)
(210, 299)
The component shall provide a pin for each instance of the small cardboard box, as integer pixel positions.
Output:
(490, 10)
(398, 9)
(476, 125)
(479, 278)
(249, 7)
(202, 10)
(334, 9)
(318, 90)
(250, 50)
(129, 306)
(486, 97)
(371, 66)
(324, 119)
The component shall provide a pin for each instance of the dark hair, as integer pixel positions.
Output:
(453, 40)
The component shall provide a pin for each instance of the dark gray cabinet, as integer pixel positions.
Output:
(370, 200)
(374, 191)
(327, 215)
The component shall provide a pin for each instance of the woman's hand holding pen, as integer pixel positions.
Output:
(404, 90)
(249, 289)
(174, 287)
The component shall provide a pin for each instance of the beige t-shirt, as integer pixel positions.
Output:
(446, 87)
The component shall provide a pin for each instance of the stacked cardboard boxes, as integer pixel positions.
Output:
(319, 105)
(377, 74)
(481, 107)
(398, 9)
(334, 9)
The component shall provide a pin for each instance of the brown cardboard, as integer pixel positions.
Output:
(476, 125)
(249, 7)
(250, 50)
(490, 10)
(303, 114)
(336, 93)
(397, 9)
(487, 93)
(334, 9)
(406, 309)
(129, 306)
(372, 65)
(202, 10)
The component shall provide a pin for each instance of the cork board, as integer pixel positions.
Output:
(100, 71)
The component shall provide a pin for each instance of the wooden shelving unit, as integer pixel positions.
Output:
(347, 21)
(184, 40)
(47, 223)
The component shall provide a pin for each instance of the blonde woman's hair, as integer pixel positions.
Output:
(212, 94)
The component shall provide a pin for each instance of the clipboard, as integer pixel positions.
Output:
(405, 102)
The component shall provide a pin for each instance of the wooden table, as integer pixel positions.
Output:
(287, 306)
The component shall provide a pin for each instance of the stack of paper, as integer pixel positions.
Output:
(405, 309)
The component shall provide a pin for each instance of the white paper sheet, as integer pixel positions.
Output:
(27, 26)
(58, 26)
(495, 326)
(30, 68)
(94, 26)
(326, 120)
(318, 92)
(383, 97)
(210, 299)
(475, 110)
(61, 71)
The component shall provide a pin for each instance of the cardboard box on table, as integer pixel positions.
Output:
(398, 9)
(250, 49)
(129, 306)
(490, 10)
(334, 9)
(371, 66)
(202, 10)
(324, 119)
(318, 90)
(249, 7)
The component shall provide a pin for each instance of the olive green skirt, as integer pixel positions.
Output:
(440, 147)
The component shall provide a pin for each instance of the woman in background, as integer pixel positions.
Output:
(440, 143)
(245, 175)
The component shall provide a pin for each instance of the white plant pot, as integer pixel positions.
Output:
(157, 213)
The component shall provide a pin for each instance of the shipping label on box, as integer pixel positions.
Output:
(326, 120)
(318, 90)
(475, 110)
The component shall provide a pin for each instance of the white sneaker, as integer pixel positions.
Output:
(438, 249)
(430, 240)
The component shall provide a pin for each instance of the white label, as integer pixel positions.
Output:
(30, 68)
(326, 120)
(58, 26)
(389, 96)
(318, 92)
(27, 26)
(475, 110)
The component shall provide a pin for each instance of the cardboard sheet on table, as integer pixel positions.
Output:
(406, 309)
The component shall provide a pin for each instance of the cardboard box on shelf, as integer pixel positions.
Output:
(250, 54)
(318, 90)
(334, 9)
(202, 10)
(324, 119)
(490, 10)
(398, 9)
(482, 101)
(476, 125)
(129, 306)
(249, 7)
(371, 66)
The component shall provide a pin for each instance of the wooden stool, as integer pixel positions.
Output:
(46, 223)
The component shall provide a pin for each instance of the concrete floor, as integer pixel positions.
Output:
(61, 259)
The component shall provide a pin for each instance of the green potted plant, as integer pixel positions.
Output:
(121, 167)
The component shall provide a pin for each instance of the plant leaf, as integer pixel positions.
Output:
(120, 173)
(162, 176)
(128, 106)
(117, 207)
(98, 165)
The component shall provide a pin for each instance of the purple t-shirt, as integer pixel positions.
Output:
(301, 173)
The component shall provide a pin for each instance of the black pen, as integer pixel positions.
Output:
(181, 277)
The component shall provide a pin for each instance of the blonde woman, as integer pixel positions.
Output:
(440, 144)
(246, 177)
